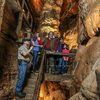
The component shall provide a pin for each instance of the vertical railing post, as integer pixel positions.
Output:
(20, 18)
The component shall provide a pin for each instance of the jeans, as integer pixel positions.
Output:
(35, 58)
(62, 66)
(22, 70)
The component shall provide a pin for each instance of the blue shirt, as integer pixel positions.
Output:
(35, 48)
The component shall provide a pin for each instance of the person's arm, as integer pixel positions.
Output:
(36, 45)
(28, 52)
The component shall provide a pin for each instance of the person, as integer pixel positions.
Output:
(23, 59)
(65, 59)
(36, 50)
(63, 62)
(59, 59)
(50, 45)
(40, 43)
(60, 45)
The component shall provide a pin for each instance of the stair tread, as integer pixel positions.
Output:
(29, 88)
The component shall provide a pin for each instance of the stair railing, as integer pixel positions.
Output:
(40, 77)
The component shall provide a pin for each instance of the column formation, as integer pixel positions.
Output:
(50, 18)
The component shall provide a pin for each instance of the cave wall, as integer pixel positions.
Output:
(85, 82)
(89, 20)
(8, 66)
(10, 19)
(91, 48)
(8, 48)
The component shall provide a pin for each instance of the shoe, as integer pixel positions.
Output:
(20, 94)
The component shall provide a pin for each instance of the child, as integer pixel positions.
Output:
(65, 59)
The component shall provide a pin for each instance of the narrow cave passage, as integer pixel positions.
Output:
(61, 39)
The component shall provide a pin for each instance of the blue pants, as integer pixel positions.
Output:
(62, 66)
(35, 58)
(22, 70)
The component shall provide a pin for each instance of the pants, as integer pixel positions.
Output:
(22, 70)
(35, 58)
(63, 65)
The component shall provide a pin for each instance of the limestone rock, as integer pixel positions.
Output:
(90, 86)
(93, 20)
(57, 95)
(77, 96)
(70, 38)
(50, 16)
(88, 57)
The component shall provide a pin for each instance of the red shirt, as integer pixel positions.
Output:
(40, 41)
(65, 51)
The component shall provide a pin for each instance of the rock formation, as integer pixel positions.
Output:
(50, 18)
(86, 80)
(8, 47)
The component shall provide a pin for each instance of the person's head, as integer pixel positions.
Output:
(38, 38)
(50, 35)
(26, 42)
(28, 30)
(61, 40)
(56, 35)
(65, 46)
(37, 34)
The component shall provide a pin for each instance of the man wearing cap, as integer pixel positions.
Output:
(23, 59)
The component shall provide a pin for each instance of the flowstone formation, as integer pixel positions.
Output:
(86, 79)
(50, 18)
(70, 38)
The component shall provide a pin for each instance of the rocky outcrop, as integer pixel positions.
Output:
(70, 38)
(86, 80)
(88, 23)
(92, 22)
(8, 67)
(53, 91)
(90, 86)
(8, 48)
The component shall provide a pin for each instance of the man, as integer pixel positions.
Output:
(50, 45)
(23, 59)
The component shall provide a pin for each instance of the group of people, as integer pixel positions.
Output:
(54, 44)
(34, 45)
